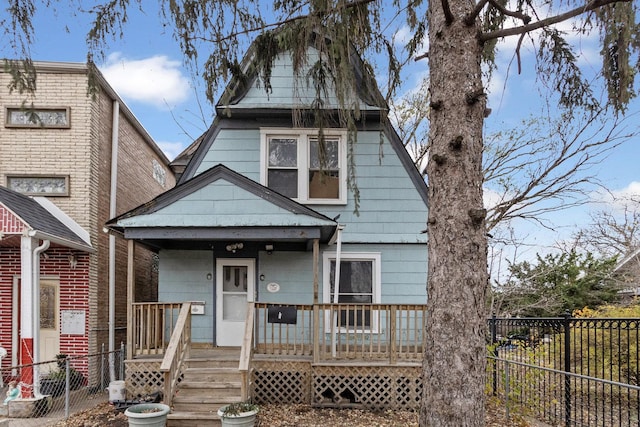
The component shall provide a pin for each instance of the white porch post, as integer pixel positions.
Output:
(130, 296)
(27, 245)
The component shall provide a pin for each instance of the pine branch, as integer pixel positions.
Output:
(548, 21)
(260, 28)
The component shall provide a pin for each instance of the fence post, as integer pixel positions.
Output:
(102, 385)
(67, 387)
(567, 369)
(122, 355)
(507, 389)
(494, 340)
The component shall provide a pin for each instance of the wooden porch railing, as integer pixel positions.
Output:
(177, 352)
(153, 323)
(334, 332)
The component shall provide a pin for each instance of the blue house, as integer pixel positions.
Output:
(265, 220)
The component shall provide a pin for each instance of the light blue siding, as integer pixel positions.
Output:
(238, 149)
(293, 271)
(391, 209)
(221, 204)
(404, 274)
(182, 277)
(286, 91)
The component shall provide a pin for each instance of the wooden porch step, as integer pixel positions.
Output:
(212, 375)
(213, 362)
(193, 419)
(210, 381)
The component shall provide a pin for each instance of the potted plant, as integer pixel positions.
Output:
(242, 414)
(54, 383)
(148, 414)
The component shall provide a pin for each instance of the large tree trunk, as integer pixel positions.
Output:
(454, 357)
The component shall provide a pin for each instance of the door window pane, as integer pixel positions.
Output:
(47, 307)
(234, 307)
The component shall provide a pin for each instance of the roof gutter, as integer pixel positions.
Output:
(60, 241)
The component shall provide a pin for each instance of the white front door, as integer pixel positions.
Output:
(49, 321)
(235, 282)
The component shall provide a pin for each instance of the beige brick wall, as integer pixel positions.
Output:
(83, 152)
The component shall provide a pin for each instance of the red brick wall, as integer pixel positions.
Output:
(74, 295)
(9, 223)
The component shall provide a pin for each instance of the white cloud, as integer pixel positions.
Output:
(156, 80)
(171, 149)
(491, 198)
(621, 198)
(404, 34)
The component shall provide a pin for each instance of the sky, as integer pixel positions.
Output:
(146, 69)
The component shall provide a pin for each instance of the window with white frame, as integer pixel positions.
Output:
(359, 284)
(296, 164)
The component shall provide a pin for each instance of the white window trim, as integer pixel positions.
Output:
(327, 257)
(304, 135)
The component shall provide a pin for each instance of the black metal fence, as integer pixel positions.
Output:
(568, 371)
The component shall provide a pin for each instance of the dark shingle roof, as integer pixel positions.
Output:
(37, 217)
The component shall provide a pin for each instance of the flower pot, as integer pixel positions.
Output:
(148, 414)
(242, 419)
(53, 386)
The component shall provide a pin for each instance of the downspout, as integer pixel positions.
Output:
(112, 239)
(36, 313)
(336, 288)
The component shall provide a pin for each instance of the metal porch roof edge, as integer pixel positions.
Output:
(213, 174)
(44, 223)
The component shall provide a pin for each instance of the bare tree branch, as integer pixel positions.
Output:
(556, 168)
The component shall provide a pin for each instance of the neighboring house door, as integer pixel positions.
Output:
(235, 282)
(49, 323)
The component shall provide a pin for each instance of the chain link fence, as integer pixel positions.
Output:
(64, 386)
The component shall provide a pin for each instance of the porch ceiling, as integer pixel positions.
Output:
(286, 238)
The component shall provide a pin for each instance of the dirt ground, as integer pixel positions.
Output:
(300, 416)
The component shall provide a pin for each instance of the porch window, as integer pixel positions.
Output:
(359, 285)
(298, 165)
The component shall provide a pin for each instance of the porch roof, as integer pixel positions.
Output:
(222, 205)
(41, 219)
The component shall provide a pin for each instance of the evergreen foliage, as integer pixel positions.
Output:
(559, 283)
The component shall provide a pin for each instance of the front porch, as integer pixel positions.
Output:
(326, 355)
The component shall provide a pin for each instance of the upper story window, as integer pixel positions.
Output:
(39, 185)
(38, 117)
(297, 165)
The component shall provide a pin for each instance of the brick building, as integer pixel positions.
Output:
(86, 158)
